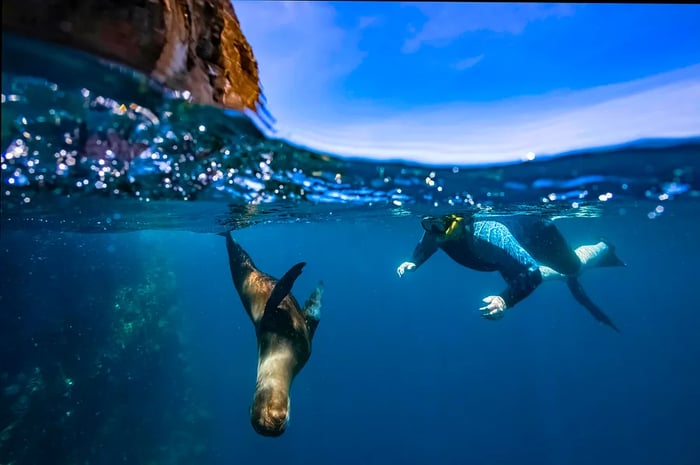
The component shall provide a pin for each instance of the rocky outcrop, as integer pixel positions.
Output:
(194, 45)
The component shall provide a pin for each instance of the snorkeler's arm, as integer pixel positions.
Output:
(424, 249)
(520, 286)
(497, 245)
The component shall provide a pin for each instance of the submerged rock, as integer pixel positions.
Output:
(192, 45)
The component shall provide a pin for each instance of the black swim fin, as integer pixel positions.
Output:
(582, 298)
(610, 258)
(284, 286)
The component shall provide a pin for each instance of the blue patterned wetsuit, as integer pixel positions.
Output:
(516, 247)
(488, 246)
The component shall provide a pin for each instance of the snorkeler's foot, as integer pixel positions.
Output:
(610, 258)
(598, 255)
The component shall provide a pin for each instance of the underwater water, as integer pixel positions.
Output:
(124, 341)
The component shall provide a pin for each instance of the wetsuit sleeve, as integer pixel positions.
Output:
(496, 244)
(424, 249)
(520, 285)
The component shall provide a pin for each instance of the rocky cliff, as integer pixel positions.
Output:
(194, 45)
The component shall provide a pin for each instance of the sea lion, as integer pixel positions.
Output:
(284, 331)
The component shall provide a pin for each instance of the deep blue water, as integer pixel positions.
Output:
(123, 340)
(403, 370)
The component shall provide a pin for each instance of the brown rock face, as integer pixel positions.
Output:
(194, 45)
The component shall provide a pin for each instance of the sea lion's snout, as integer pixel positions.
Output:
(270, 412)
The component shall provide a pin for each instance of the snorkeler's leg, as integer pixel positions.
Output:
(598, 255)
(548, 246)
(520, 284)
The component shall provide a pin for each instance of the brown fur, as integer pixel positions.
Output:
(284, 341)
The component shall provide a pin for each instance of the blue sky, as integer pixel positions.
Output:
(460, 83)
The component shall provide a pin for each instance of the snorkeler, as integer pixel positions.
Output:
(526, 250)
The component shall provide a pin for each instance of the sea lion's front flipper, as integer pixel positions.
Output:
(582, 298)
(312, 308)
(284, 286)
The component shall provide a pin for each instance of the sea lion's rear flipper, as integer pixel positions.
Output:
(283, 286)
(582, 298)
(239, 261)
(312, 308)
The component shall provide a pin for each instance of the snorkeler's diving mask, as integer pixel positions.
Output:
(445, 226)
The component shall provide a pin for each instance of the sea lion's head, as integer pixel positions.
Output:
(270, 411)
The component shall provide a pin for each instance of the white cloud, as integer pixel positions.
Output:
(304, 54)
(666, 105)
(467, 62)
(448, 21)
(300, 50)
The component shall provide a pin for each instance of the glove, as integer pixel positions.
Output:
(493, 310)
(404, 267)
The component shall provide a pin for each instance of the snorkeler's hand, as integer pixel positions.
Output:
(404, 267)
(493, 310)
